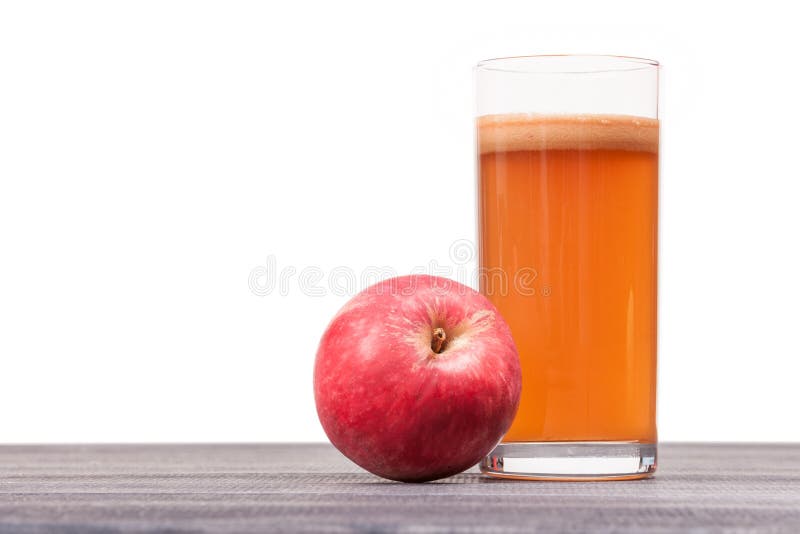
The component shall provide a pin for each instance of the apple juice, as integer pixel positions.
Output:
(568, 233)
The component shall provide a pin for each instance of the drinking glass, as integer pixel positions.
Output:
(568, 232)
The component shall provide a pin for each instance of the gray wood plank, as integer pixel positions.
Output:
(309, 488)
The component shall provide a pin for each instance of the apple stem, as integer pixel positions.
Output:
(439, 337)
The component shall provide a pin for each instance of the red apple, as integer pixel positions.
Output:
(417, 378)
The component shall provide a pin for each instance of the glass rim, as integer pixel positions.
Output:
(561, 64)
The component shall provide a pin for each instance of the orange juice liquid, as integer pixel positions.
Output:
(568, 212)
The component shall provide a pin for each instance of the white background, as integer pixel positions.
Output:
(152, 154)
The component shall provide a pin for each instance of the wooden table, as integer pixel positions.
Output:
(299, 488)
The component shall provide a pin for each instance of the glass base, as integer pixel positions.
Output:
(572, 460)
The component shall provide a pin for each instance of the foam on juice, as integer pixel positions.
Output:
(515, 132)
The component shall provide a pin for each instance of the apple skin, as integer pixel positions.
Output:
(398, 409)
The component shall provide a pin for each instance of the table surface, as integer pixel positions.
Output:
(311, 487)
